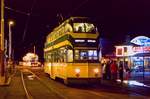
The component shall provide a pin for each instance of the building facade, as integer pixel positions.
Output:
(136, 55)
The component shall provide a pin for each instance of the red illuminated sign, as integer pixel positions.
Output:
(141, 49)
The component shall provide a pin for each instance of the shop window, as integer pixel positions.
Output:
(125, 49)
(119, 51)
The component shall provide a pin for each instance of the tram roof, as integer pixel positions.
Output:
(68, 20)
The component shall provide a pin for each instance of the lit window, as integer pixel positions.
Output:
(79, 40)
(83, 55)
(84, 27)
(78, 27)
(70, 56)
(119, 51)
(125, 49)
(93, 41)
(92, 54)
(76, 54)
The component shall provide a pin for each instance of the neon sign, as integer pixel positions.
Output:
(141, 40)
(143, 49)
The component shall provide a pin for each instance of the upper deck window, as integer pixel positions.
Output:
(84, 28)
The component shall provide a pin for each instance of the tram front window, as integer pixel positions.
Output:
(92, 55)
(86, 55)
(83, 56)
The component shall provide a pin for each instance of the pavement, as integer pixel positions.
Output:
(5, 81)
(14, 90)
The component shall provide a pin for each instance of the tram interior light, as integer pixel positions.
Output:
(92, 41)
(79, 40)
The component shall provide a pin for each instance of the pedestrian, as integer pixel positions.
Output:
(128, 73)
(114, 69)
(104, 70)
(108, 72)
(121, 72)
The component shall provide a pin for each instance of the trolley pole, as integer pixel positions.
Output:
(2, 67)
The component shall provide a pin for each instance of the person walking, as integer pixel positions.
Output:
(128, 73)
(121, 72)
(114, 69)
(104, 70)
(108, 72)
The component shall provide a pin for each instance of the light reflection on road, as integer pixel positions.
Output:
(133, 82)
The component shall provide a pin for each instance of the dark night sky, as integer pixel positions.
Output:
(114, 18)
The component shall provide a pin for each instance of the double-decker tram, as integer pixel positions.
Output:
(71, 52)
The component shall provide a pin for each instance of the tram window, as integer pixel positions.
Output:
(92, 54)
(64, 55)
(78, 27)
(76, 54)
(55, 57)
(89, 27)
(70, 56)
(95, 53)
(61, 55)
(84, 27)
(68, 28)
(49, 57)
(83, 55)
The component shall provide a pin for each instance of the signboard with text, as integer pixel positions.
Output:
(141, 49)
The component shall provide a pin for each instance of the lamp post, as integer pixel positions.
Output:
(10, 46)
(10, 39)
(2, 69)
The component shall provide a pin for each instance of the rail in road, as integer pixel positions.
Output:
(38, 86)
(35, 88)
(90, 91)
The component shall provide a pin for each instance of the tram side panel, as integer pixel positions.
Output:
(83, 72)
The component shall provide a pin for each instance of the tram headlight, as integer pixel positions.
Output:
(77, 70)
(96, 70)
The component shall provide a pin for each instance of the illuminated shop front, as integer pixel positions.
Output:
(135, 56)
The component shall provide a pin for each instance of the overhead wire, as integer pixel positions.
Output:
(27, 21)
(18, 11)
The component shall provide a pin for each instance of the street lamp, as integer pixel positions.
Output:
(10, 38)
(10, 43)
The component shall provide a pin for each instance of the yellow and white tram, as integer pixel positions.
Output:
(71, 52)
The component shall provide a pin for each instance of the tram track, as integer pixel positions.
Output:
(28, 95)
(61, 92)
(43, 90)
